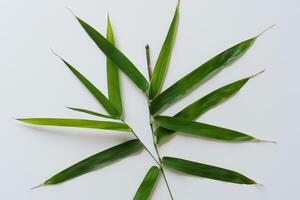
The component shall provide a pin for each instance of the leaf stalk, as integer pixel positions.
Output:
(161, 168)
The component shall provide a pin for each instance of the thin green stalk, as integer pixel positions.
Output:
(161, 168)
(149, 152)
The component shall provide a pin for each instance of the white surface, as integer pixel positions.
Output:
(34, 83)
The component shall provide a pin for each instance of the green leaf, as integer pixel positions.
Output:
(91, 112)
(202, 105)
(196, 77)
(201, 129)
(108, 106)
(113, 82)
(162, 63)
(147, 185)
(206, 171)
(77, 123)
(116, 56)
(96, 161)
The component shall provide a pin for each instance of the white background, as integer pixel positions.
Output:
(34, 83)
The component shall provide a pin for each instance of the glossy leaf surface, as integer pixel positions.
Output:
(196, 77)
(116, 56)
(77, 123)
(96, 161)
(206, 171)
(146, 187)
(113, 80)
(202, 105)
(161, 66)
(201, 129)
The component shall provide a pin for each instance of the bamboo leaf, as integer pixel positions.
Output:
(107, 105)
(91, 112)
(201, 129)
(116, 56)
(196, 77)
(146, 187)
(163, 60)
(113, 80)
(206, 171)
(202, 105)
(77, 123)
(96, 161)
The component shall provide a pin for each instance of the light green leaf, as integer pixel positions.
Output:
(96, 161)
(193, 79)
(201, 129)
(202, 105)
(206, 171)
(147, 185)
(116, 56)
(162, 63)
(77, 123)
(108, 106)
(113, 82)
(91, 112)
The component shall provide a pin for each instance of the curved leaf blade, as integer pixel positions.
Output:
(96, 161)
(116, 56)
(196, 77)
(201, 129)
(206, 171)
(162, 63)
(77, 123)
(146, 187)
(101, 98)
(113, 80)
(90, 112)
(202, 105)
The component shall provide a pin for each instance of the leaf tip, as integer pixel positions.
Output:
(108, 18)
(38, 186)
(20, 119)
(56, 54)
(267, 141)
(270, 27)
(259, 184)
(71, 11)
(258, 73)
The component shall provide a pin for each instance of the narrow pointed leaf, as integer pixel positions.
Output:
(202, 105)
(91, 112)
(147, 185)
(96, 161)
(163, 60)
(179, 89)
(116, 56)
(113, 82)
(102, 99)
(206, 171)
(77, 123)
(201, 129)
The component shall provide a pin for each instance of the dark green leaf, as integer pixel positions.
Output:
(147, 185)
(91, 112)
(206, 171)
(113, 82)
(202, 105)
(163, 60)
(96, 161)
(196, 77)
(116, 56)
(201, 129)
(108, 106)
(78, 123)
